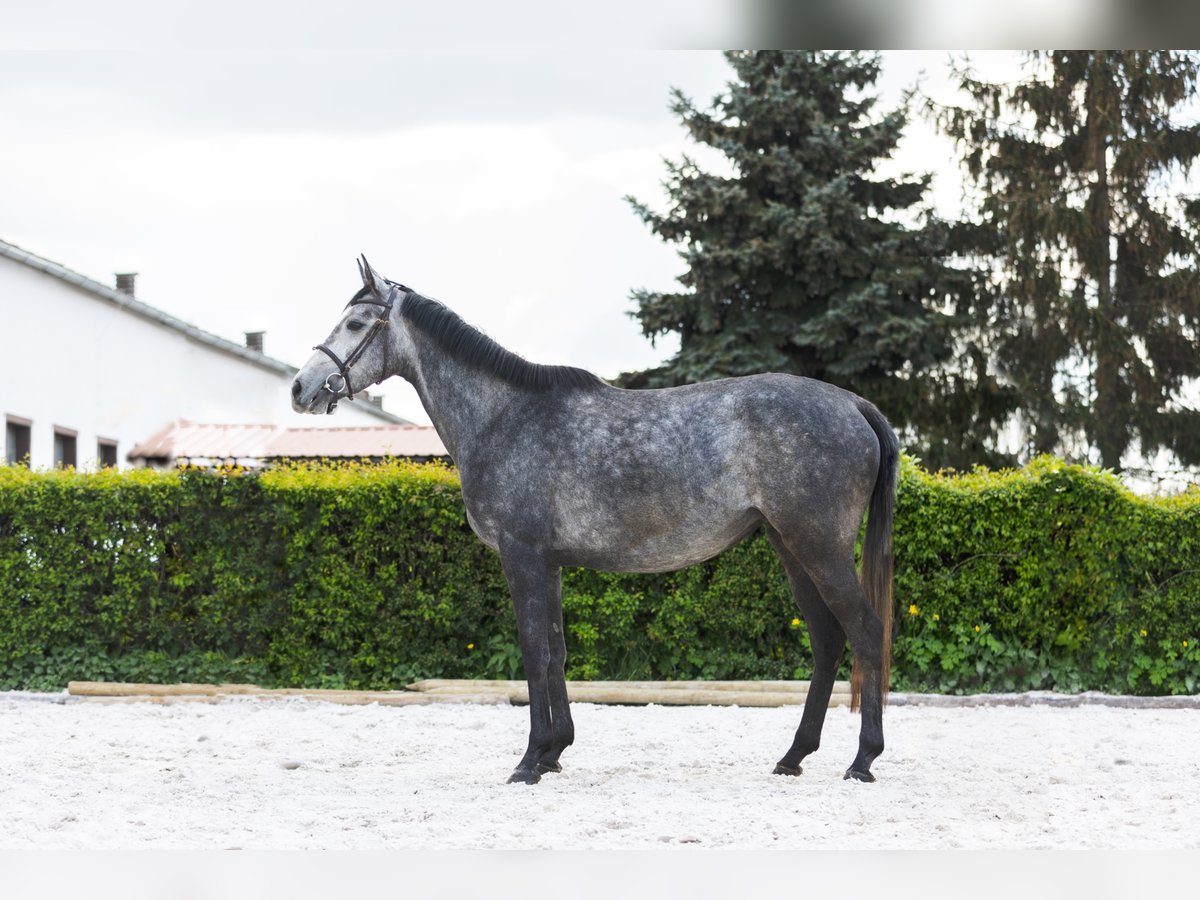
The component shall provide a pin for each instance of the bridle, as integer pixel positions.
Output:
(376, 328)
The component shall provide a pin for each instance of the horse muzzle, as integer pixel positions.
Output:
(322, 401)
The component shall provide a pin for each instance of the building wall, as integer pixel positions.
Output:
(78, 361)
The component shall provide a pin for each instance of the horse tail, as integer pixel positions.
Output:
(877, 563)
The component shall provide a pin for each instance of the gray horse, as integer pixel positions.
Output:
(559, 469)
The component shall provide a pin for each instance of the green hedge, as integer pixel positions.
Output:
(1049, 577)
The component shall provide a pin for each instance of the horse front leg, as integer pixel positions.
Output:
(536, 588)
(562, 727)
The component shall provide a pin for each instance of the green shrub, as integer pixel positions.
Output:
(367, 576)
(1048, 577)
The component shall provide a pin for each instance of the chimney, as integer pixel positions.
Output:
(125, 282)
(254, 341)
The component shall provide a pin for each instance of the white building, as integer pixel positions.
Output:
(90, 371)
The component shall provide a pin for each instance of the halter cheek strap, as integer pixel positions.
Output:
(344, 365)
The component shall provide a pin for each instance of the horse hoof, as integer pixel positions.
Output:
(858, 776)
(520, 776)
(781, 769)
(543, 768)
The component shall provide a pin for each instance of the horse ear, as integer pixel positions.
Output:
(370, 277)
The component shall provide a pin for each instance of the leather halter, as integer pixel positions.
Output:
(377, 327)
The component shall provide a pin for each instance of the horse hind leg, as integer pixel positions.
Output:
(828, 642)
(839, 587)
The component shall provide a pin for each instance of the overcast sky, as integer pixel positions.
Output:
(240, 176)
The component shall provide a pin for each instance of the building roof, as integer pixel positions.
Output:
(206, 443)
(130, 304)
(353, 442)
(182, 439)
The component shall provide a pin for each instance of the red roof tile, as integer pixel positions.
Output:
(195, 441)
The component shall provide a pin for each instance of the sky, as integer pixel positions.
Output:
(241, 170)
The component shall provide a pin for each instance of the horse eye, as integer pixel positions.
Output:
(354, 325)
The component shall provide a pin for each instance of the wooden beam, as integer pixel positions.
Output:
(128, 691)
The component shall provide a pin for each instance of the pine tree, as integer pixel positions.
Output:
(802, 259)
(1095, 309)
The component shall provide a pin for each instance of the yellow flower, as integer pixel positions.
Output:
(936, 617)
(795, 623)
(1143, 632)
(976, 627)
(912, 609)
(470, 646)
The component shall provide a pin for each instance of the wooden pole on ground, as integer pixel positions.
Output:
(665, 693)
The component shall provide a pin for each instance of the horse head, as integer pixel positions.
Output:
(357, 352)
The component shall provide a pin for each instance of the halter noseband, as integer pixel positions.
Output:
(345, 365)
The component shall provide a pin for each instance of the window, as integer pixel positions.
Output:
(16, 441)
(64, 447)
(106, 453)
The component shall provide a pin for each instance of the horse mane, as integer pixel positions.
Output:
(471, 346)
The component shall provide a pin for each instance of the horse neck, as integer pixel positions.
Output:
(460, 400)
